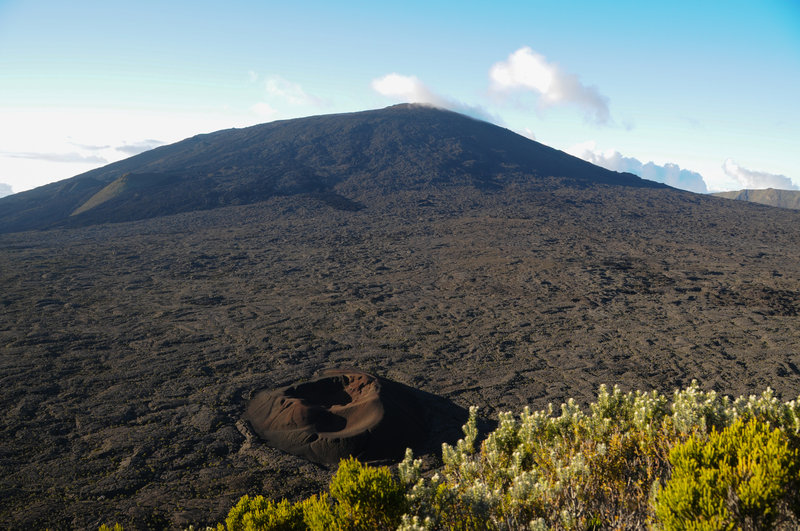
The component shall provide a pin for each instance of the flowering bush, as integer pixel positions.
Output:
(574, 470)
(625, 463)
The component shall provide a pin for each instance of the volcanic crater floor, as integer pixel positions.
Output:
(129, 351)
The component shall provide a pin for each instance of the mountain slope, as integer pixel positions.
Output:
(414, 244)
(769, 197)
(344, 158)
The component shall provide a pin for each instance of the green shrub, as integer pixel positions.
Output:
(737, 478)
(260, 514)
(366, 497)
(361, 497)
(318, 513)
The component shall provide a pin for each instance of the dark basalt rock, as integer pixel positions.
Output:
(127, 350)
(341, 413)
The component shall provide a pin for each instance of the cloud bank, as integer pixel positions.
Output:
(526, 70)
(670, 174)
(58, 157)
(264, 110)
(292, 93)
(280, 92)
(409, 89)
(406, 88)
(754, 180)
(5, 189)
(90, 147)
(139, 147)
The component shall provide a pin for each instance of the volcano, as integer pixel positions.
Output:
(155, 312)
(345, 160)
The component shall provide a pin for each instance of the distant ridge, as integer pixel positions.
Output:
(768, 196)
(340, 158)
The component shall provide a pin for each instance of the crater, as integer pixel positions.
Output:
(339, 414)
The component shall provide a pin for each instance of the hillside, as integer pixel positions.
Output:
(129, 350)
(344, 159)
(768, 196)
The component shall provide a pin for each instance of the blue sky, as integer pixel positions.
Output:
(701, 95)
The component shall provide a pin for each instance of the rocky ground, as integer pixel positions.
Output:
(128, 351)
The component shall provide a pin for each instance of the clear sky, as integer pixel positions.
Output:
(701, 95)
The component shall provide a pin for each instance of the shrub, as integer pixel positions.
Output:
(260, 514)
(361, 497)
(625, 463)
(367, 497)
(569, 471)
(737, 478)
(318, 513)
(579, 470)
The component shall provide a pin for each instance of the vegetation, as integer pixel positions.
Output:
(625, 464)
(737, 478)
(361, 497)
(634, 460)
(260, 513)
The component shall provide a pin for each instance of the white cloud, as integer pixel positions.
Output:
(57, 157)
(81, 139)
(5, 189)
(527, 70)
(264, 110)
(90, 147)
(754, 180)
(139, 147)
(290, 92)
(670, 174)
(409, 89)
(673, 175)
